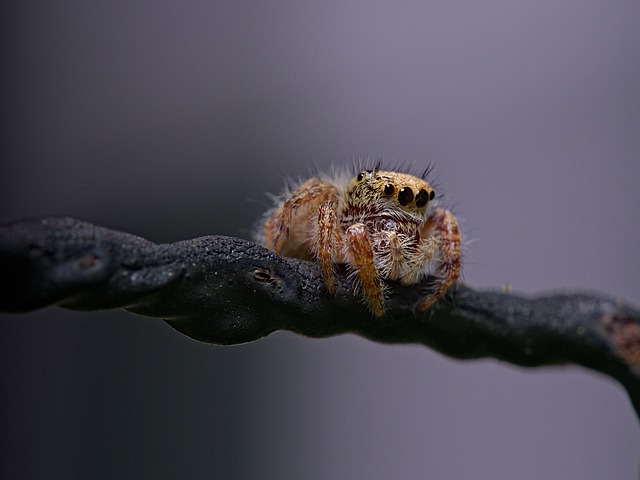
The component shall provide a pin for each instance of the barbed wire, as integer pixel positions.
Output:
(225, 290)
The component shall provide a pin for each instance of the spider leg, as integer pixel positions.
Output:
(277, 228)
(444, 227)
(390, 265)
(328, 240)
(421, 255)
(361, 253)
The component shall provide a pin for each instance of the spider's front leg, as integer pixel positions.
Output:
(361, 255)
(443, 227)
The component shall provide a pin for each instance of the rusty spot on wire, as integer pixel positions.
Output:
(268, 278)
(625, 333)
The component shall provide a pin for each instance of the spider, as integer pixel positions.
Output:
(383, 225)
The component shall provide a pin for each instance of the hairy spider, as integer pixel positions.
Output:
(380, 224)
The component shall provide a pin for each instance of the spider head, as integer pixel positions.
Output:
(394, 190)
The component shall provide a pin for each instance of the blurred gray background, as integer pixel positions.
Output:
(170, 120)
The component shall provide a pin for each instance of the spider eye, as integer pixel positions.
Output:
(432, 195)
(422, 198)
(405, 196)
(360, 176)
(389, 189)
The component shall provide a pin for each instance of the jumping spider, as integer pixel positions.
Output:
(380, 224)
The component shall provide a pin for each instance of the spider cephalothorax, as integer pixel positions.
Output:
(380, 224)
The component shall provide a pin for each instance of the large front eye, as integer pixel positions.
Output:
(422, 198)
(405, 196)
